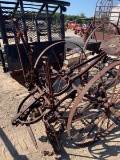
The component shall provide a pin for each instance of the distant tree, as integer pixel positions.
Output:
(56, 16)
(82, 15)
(65, 17)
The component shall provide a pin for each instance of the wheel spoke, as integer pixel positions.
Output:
(117, 78)
(90, 115)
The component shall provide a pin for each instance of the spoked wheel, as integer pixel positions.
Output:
(31, 109)
(74, 53)
(55, 59)
(74, 56)
(57, 68)
(96, 109)
(98, 34)
(55, 64)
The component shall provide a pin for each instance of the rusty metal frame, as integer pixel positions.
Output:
(23, 7)
(86, 83)
(107, 8)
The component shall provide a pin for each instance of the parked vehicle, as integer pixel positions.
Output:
(84, 23)
(72, 25)
(81, 29)
(78, 29)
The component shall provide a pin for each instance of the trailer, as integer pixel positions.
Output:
(35, 19)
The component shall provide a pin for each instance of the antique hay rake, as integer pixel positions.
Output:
(82, 99)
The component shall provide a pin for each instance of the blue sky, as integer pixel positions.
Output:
(81, 6)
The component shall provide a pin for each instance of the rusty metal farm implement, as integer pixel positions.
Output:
(82, 99)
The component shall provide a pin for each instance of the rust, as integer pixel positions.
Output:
(80, 99)
(51, 84)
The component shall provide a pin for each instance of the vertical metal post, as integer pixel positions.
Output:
(2, 26)
(37, 33)
(62, 27)
(5, 69)
(48, 80)
(48, 23)
(23, 19)
(118, 20)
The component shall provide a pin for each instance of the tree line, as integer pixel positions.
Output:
(56, 16)
(70, 17)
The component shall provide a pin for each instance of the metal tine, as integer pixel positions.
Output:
(32, 136)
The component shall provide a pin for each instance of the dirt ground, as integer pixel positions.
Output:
(15, 143)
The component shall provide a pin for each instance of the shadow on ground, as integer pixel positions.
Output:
(11, 148)
(106, 148)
